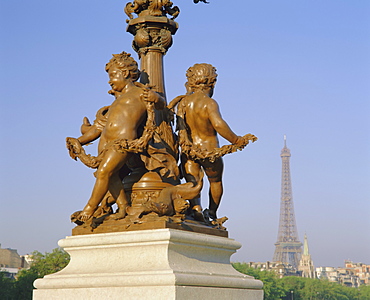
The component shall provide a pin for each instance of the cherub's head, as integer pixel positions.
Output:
(201, 76)
(124, 62)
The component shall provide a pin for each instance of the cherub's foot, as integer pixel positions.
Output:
(197, 213)
(209, 215)
(212, 214)
(74, 218)
(86, 214)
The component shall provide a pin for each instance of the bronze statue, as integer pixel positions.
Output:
(199, 121)
(123, 119)
(138, 151)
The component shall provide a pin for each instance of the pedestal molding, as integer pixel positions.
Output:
(133, 262)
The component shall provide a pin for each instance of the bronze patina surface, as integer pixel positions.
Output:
(149, 222)
(138, 172)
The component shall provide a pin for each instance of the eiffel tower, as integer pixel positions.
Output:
(288, 247)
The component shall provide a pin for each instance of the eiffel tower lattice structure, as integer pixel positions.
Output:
(288, 247)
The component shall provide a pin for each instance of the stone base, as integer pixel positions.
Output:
(152, 293)
(157, 223)
(149, 264)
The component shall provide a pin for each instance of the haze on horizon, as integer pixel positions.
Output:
(285, 67)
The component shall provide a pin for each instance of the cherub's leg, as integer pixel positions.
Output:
(108, 169)
(117, 191)
(214, 173)
(191, 173)
(107, 202)
(120, 198)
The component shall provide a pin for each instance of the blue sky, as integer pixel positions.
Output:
(300, 68)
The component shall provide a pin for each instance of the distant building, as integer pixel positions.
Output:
(10, 272)
(27, 260)
(329, 273)
(281, 269)
(352, 274)
(306, 267)
(11, 262)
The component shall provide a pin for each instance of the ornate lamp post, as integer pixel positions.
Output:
(148, 247)
(152, 31)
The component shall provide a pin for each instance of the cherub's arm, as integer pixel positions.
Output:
(175, 101)
(92, 132)
(90, 135)
(219, 124)
(159, 101)
(89, 132)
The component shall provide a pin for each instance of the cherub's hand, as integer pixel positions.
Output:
(153, 97)
(85, 125)
(149, 96)
(239, 141)
(86, 121)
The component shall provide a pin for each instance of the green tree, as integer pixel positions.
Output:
(43, 264)
(24, 284)
(294, 287)
(364, 292)
(315, 289)
(6, 287)
(272, 286)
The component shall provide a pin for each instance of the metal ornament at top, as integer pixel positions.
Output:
(152, 29)
(155, 8)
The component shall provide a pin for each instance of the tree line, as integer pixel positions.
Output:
(298, 288)
(43, 264)
(275, 288)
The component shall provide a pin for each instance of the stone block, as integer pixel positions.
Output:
(148, 264)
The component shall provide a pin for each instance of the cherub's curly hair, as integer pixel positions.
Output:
(124, 61)
(201, 75)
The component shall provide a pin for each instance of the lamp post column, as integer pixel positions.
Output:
(152, 31)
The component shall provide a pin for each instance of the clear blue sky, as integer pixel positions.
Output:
(300, 68)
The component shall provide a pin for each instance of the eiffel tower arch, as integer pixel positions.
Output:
(288, 248)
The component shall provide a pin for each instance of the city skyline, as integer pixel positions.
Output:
(300, 69)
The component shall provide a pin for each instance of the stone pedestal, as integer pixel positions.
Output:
(161, 264)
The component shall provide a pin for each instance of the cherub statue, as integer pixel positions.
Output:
(199, 121)
(119, 125)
